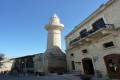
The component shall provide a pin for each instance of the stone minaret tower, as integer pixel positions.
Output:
(54, 28)
(54, 58)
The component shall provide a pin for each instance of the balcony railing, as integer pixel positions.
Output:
(106, 26)
(76, 39)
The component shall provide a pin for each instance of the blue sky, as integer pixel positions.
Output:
(22, 22)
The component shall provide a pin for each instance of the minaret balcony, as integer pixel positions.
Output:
(53, 26)
(96, 33)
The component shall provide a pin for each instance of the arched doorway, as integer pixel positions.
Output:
(22, 64)
(112, 62)
(29, 63)
(88, 66)
(16, 65)
(15, 69)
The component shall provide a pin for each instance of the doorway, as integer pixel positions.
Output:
(88, 66)
(73, 65)
(112, 62)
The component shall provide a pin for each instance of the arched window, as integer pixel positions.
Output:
(22, 63)
(29, 63)
(16, 63)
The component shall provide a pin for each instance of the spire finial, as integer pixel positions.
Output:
(55, 15)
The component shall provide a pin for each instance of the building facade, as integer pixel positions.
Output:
(93, 46)
(24, 63)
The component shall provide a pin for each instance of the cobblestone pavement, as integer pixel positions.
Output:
(50, 77)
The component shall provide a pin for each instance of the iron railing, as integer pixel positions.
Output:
(106, 26)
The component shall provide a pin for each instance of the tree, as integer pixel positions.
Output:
(1, 58)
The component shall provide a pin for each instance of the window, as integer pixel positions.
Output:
(99, 24)
(84, 51)
(83, 33)
(72, 54)
(109, 44)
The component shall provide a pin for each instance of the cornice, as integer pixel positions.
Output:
(99, 10)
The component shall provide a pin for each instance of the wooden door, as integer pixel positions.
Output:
(88, 66)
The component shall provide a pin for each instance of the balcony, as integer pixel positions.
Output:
(95, 33)
(76, 39)
(101, 31)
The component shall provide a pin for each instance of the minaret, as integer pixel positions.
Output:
(54, 58)
(54, 28)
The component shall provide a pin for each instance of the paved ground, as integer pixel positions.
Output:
(50, 77)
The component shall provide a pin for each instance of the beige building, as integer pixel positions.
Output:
(6, 65)
(93, 46)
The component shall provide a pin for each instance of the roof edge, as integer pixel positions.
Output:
(96, 12)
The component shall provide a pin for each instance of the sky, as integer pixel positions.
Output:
(22, 22)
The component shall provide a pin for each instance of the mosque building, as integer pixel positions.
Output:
(52, 60)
